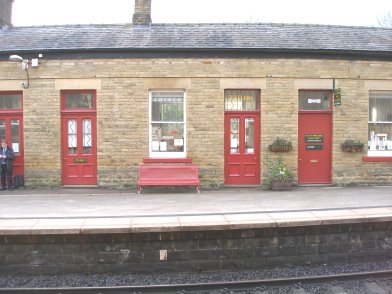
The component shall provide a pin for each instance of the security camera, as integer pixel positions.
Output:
(24, 84)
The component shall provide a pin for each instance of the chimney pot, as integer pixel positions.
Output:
(142, 13)
(6, 13)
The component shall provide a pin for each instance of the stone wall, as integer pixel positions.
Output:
(196, 251)
(122, 87)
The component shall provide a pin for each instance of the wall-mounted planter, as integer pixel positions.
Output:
(352, 146)
(280, 148)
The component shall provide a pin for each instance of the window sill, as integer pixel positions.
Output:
(377, 158)
(167, 160)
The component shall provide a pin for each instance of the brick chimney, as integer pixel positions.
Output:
(6, 13)
(142, 13)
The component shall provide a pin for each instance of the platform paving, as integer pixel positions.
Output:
(95, 210)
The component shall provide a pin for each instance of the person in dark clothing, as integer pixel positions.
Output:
(7, 165)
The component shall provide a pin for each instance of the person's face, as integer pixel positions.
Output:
(3, 145)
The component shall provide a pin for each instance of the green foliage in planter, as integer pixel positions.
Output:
(281, 142)
(352, 145)
(275, 170)
(280, 145)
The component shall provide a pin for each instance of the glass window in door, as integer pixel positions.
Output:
(87, 136)
(249, 135)
(2, 130)
(72, 136)
(234, 135)
(15, 135)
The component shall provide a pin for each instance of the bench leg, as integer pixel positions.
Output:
(139, 189)
(198, 189)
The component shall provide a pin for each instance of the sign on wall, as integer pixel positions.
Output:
(314, 138)
(314, 147)
(337, 98)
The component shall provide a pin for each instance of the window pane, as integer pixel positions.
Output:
(380, 123)
(314, 100)
(380, 138)
(167, 107)
(242, 99)
(72, 137)
(15, 137)
(167, 122)
(167, 137)
(87, 136)
(249, 135)
(234, 135)
(80, 100)
(2, 130)
(380, 107)
(11, 101)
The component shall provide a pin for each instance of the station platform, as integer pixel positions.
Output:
(94, 210)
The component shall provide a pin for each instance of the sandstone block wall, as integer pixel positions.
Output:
(122, 87)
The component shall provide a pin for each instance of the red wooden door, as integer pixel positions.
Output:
(79, 149)
(314, 148)
(11, 130)
(242, 148)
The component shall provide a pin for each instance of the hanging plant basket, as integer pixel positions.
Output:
(352, 146)
(280, 148)
(280, 145)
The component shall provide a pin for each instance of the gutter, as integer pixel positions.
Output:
(87, 53)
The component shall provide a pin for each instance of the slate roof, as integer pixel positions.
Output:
(248, 36)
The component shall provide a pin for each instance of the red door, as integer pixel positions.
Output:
(79, 149)
(78, 132)
(11, 126)
(11, 130)
(242, 148)
(314, 148)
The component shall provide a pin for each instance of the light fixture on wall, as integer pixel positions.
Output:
(25, 67)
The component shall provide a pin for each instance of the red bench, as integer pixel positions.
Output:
(168, 175)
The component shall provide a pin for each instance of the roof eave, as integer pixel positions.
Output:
(217, 51)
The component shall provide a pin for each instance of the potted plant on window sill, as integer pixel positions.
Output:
(280, 145)
(352, 146)
(277, 176)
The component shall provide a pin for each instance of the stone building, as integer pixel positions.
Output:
(87, 104)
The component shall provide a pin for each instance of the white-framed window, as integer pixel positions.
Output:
(380, 123)
(167, 131)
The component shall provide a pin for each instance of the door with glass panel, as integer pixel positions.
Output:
(242, 137)
(11, 127)
(11, 132)
(315, 137)
(79, 150)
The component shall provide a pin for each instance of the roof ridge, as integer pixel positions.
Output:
(206, 24)
(71, 25)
